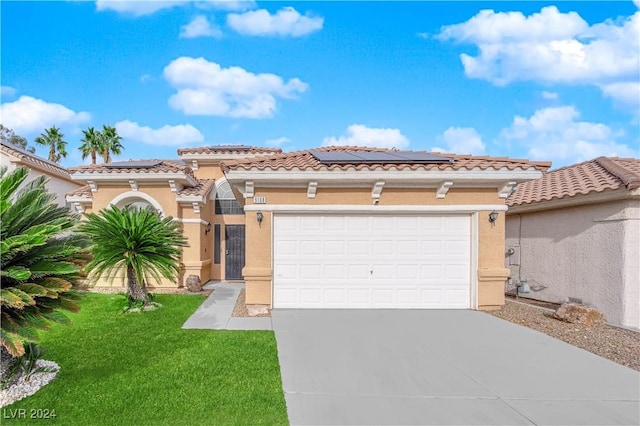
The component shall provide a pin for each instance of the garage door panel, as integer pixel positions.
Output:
(358, 261)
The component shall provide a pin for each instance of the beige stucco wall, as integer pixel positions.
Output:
(197, 255)
(55, 185)
(589, 252)
(491, 273)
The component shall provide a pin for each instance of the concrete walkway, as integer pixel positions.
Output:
(421, 367)
(215, 312)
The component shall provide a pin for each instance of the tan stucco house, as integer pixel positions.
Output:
(334, 227)
(59, 181)
(574, 234)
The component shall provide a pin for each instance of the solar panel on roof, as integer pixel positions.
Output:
(371, 157)
(132, 164)
(230, 147)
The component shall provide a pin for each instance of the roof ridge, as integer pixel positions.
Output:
(630, 179)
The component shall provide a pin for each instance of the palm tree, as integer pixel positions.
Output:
(110, 143)
(54, 139)
(137, 242)
(41, 261)
(91, 144)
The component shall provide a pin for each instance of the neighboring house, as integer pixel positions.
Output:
(59, 180)
(575, 235)
(335, 227)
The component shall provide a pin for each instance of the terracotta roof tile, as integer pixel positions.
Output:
(201, 189)
(35, 161)
(600, 174)
(163, 166)
(229, 149)
(83, 191)
(304, 160)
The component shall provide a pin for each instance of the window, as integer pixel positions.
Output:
(226, 203)
(216, 244)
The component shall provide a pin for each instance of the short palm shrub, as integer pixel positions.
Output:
(137, 244)
(41, 261)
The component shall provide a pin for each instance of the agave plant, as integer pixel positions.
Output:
(136, 243)
(41, 261)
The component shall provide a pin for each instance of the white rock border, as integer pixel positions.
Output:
(21, 388)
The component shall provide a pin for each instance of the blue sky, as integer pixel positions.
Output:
(539, 80)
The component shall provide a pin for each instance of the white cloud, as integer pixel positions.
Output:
(461, 140)
(277, 142)
(205, 88)
(549, 47)
(29, 115)
(7, 91)
(182, 134)
(549, 95)
(626, 93)
(557, 134)
(200, 27)
(360, 135)
(228, 5)
(286, 22)
(136, 8)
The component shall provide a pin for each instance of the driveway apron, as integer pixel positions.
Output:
(445, 367)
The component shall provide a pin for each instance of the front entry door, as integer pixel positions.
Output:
(234, 254)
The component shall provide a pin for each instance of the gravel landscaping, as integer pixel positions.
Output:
(240, 310)
(616, 344)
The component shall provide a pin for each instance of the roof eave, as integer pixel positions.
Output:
(490, 177)
(594, 197)
(182, 178)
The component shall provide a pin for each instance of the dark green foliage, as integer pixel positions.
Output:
(41, 261)
(136, 243)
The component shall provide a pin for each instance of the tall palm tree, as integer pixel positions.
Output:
(138, 243)
(91, 144)
(54, 139)
(41, 261)
(110, 143)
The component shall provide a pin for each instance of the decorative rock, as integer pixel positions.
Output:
(580, 314)
(255, 310)
(193, 283)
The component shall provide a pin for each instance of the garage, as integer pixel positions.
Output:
(392, 261)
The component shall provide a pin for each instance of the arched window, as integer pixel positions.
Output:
(226, 202)
(137, 200)
(138, 204)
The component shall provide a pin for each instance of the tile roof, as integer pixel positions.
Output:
(201, 189)
(83, 191)
(163, 166)
(304, 160)
(35, 161)
(229, 149)
(600, 174)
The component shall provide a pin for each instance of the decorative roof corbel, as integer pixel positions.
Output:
(311, 189)
(443, 188)
(248, 189)
(93, 185)
(376, 191)
(507, 189)
(134, 185)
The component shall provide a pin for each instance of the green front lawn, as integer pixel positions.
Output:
(143, 369)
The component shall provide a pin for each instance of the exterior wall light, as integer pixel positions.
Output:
(493, 216)
(259, 217)
(207, 228)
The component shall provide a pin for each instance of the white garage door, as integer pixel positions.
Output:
(360, 261)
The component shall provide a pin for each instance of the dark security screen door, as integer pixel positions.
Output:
(234, 241)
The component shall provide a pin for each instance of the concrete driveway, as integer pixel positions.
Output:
(442, 367)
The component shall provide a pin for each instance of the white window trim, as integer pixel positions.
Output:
(137, 194)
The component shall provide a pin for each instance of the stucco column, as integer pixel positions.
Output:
(492, 274)
(257, 270)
